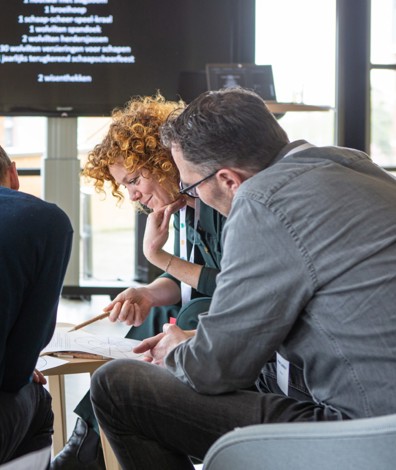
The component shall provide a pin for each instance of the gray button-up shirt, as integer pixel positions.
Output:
(308, 271)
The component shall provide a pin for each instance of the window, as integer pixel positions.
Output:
(107, 227)
(383, 83)
(107, 230)
(24, 141)
(298, 39)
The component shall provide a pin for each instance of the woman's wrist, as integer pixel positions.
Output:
(160, 259)
(168, 264)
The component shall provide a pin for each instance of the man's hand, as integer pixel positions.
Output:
(156, 348)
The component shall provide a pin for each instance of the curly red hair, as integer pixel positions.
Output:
(134, 136)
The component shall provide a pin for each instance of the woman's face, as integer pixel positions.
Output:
(141, 186)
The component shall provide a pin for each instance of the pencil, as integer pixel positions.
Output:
(92, 320)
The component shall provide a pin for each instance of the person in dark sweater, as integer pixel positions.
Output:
(35, 244)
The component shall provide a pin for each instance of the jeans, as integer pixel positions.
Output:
(152, 420)
(186, 319)
(26, 421)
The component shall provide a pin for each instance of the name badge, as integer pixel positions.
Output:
(282, 373)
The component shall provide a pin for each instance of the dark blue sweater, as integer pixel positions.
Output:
(35, 244)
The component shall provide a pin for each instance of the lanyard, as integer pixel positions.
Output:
(185, 288)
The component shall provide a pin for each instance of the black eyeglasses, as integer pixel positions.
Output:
(192, 189)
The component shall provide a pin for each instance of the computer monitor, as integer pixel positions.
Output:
(258, 78)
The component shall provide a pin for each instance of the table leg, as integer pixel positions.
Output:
(56, 386)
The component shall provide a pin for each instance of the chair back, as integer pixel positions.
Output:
(361, 444)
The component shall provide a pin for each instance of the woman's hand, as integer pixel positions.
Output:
(131, 306)
(157, 232)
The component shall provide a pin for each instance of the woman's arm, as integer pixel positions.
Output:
(133, 304)
(155, 237)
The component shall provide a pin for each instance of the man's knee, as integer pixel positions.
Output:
(113, 377)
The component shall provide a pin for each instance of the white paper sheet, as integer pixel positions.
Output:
(80, 341)
(48, 362)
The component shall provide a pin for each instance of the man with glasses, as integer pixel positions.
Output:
(192, 189)
(306, 292)
(35, 244)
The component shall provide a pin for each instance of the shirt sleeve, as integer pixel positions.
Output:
(259, 296)
(207, 281)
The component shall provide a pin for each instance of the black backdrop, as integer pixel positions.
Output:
(55, 57)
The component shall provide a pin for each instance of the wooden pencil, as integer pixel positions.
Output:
(92, 320)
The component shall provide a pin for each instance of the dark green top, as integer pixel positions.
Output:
(208, 250)
(208, 246)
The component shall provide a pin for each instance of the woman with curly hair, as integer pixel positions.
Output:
(131, 155)
(133, 144)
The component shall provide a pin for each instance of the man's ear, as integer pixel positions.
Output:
(14, 179)
(230, 179)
